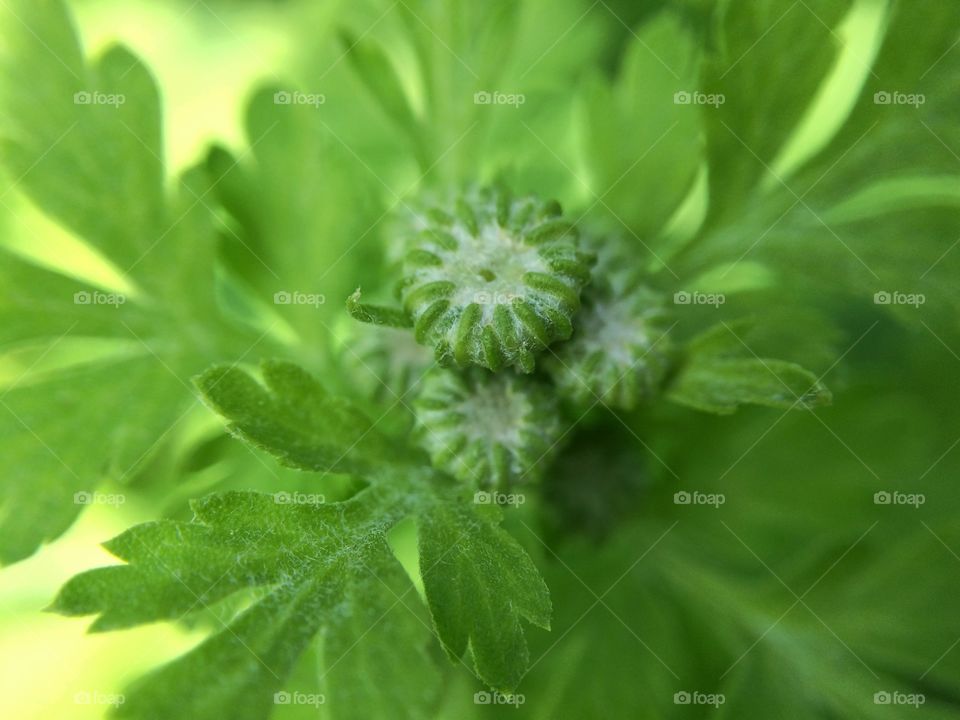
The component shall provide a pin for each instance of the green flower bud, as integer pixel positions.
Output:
(492, 280)
(619, 352)
(488, 430)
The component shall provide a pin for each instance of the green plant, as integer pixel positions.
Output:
(490, 281)
(419, 475)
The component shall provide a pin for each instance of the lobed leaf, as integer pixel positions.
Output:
(294, 419)
(322, 569)
(714, 379)
(479, 582)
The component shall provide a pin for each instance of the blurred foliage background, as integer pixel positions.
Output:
(800, 593)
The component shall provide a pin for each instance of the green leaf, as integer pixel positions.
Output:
(320, 569)
(479, 582)
(643, 148)
(293, 418)
(81, 144)
(300, 206)
(799, 514)
(63, 121)
(721, 386)
(888, 173)
(377, 73)
(714, 379)
(770, 61)
(871, 144)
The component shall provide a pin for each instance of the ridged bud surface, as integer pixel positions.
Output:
(492, 280)
(492, 431)
(619, 353)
